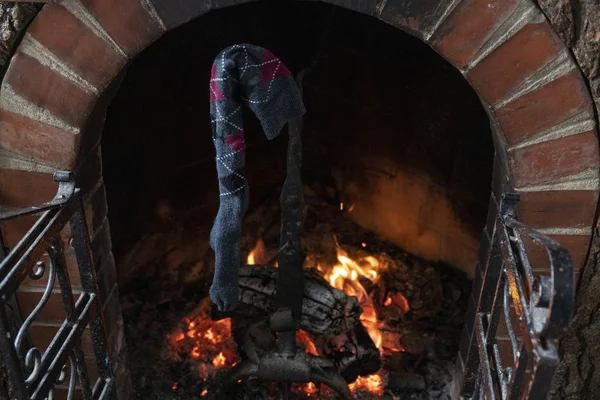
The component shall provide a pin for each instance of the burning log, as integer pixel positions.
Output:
(326, 311)
(353, 353)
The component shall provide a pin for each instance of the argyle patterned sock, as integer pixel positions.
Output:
(253, 75)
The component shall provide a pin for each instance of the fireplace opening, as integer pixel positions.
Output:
(398, 159)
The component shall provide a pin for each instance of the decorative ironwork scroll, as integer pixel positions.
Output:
(34, 373)
(535, 307)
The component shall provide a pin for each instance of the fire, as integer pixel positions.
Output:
(206, 341)
(309, 389)
(219, 360)
(196, 352)
(211, 343)
(258, 254)
(372, 383)
(398, 300)
(302, 337)
(343, 206)
(345, 276)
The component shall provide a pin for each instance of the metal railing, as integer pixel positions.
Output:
(33, 373)
(540, 306)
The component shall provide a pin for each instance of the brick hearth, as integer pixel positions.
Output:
(56, 89)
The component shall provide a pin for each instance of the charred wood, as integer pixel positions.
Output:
(326, 311)
(353, 353)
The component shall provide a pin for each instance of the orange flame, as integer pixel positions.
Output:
(219, 360)
(345, 274)
(372, 383)
(302, 337)
(398, 300)
(258, 254)
(310, 389)
(211, 343)
(207, 341)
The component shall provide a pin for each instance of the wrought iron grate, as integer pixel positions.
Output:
(33, 373)
(542, 306)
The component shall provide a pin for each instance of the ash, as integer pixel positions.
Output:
(420, 305)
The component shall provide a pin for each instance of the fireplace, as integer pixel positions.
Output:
(373, 152)
(423, 122)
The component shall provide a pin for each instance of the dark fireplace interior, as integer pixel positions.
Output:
(397, 170)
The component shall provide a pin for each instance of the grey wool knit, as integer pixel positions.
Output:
(242, 74)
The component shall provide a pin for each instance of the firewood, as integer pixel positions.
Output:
(353, 353)
(326, 311)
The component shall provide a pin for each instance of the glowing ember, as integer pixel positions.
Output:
(371, 383)
(399, 301)
(206, 341)
(211, 343)
(309, 389)
(219, 360)
(196, 352)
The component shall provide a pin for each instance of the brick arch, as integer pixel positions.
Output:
(537, 100)
(54, 95)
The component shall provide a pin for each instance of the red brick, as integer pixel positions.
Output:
(558, 209)
(518, 58)
(37, 140)
(42, 335)
(72, 270)
(466, 29)
(13, 230)
(502, 330)
(546, 161)
(25, 188)
(61, 390)
(106, 278)
(577, 245)
(61, 393)
(127, 22)
(101, 245)
(112, 311)
(96, 209)
(47, 89)
(543, 108)
(506, 353)
(418, 17)
(52, 312)
(175, 13)
(71, 40)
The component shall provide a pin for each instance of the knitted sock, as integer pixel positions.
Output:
(253, 75)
